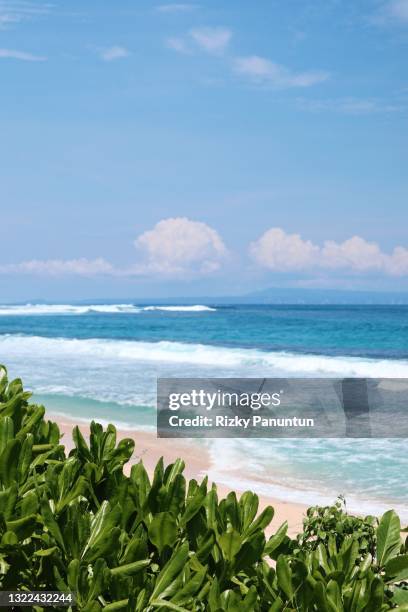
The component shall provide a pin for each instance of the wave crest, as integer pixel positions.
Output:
(237, 361)
(80, 309)
(63, 309)
(196, 308)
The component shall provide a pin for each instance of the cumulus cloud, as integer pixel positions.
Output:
(174, 247)
(262, 70)
(60, 267)
(178, 246)
(281, 252)
(354, 253)
(113, 53)
(20, 55)
(277, 250)
(211, 40)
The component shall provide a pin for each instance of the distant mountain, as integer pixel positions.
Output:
(275, 295)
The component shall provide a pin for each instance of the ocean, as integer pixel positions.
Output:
(101, 362)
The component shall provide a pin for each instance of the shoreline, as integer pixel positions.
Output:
(149, 449)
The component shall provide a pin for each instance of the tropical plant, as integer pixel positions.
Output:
(78, 523)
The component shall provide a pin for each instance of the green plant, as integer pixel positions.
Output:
(327, 522)
(78, 523)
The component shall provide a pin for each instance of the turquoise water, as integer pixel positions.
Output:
(102, 362)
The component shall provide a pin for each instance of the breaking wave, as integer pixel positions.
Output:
(196, 308)
(80, 309)
(63, 309)
(241, 361)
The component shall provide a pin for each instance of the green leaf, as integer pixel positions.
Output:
(261, 522)
(173, 470)
(376, 597)
(73, 575)
(161, 603)
(230, 543)
(284, 575)
(205, 546)
(116, 605)
(400, 597)
(51, 523)
(9, 462)
(193, 505)
(276, 540)
(101, 524)
(388, 537)
(8, 499)
(163, 530)
(23, 527)
(46, 552)
(6, 431)
(396, 569)
(248, 503)
(169, 572)
(334, 596)
(25, 458)
(130, 568)
(191, 587)
(176, 494)
(323, 604)
(37, 416)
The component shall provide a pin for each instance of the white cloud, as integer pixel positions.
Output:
(354, 253)
(20, 55)
(211, 40)
(113, 53)
(350, 106)
(277, 250)
(398, 9)
(174, 247)
(15, 11)
(390, 12)
(60, 267)
(179, 246)
(398, 262)
(175, 8)
(6, 19)
(281, 252)
(177, 44)
(263, 70)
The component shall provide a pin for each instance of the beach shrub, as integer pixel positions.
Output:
(324, 523)
(78, 523)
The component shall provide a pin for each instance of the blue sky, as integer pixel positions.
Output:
(202, 148)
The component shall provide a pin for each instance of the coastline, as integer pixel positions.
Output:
(149, 449)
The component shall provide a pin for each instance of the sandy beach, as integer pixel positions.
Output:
(149, 448)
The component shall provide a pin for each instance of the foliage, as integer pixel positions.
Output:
(322, 523)
(133, 543)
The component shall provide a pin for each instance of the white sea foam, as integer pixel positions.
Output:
(125, 372)
(314, 471)
(80, 309)
(239, 360)
(196, 308)
(307, 496)
(64, 309)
